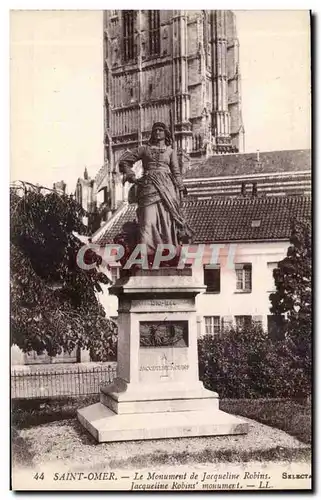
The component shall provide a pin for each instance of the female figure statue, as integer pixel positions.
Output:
(158, 191)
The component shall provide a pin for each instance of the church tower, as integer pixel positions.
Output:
(178, 67)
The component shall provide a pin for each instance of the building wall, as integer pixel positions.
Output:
(86, 193)
(275, 184)
(20, 358)
(229, 302)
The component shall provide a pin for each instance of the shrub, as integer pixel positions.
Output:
(247, 363)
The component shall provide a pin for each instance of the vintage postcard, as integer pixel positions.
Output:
(161, 267)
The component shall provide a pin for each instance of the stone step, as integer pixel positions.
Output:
(160, 405)
(107, 426)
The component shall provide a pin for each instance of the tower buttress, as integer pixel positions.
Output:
(220, 112)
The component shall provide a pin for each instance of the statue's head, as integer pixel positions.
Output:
(159, 132)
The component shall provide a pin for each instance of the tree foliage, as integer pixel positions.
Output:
(293, 277)
(54, 305)
(293, 300)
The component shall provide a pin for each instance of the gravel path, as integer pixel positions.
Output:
(67, 443)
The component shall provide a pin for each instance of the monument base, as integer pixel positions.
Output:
(157, 393)
(121, 397)
(107, 426)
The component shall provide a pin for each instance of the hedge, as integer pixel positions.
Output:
(247, 363)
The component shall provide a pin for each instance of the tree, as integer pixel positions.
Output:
(293, 277)
(293, 300)
(54, 305)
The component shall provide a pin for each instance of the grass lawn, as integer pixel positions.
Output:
(31, 412)
(290, 416)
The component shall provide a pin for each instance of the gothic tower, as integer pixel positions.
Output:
(178, 67)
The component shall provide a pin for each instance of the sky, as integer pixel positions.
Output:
(275, 79)
(56, 89)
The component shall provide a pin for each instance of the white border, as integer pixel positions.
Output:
(4, 49)
(165, 4)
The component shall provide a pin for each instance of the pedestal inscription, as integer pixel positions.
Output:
(163, 364)
(162, 305)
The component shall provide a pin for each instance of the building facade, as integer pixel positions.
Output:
(178, 67)
(251, 235)
(234, 293)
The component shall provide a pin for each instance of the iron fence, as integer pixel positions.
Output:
(78, 381)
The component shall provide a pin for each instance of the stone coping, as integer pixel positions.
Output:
(63, 367)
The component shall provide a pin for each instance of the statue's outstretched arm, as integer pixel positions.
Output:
(126, 162)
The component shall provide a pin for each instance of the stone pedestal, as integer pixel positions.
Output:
(157, 392)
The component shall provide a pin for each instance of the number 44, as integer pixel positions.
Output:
(39, 476)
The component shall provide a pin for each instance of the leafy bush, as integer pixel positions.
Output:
(292, 364)
(103, 342)
(247, 363)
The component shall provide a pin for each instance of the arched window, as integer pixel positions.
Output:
(128, 35)
(154, 32)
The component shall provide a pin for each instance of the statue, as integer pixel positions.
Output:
(158, 192)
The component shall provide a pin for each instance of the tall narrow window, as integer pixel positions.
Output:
(271, 283)
(243, 277)
(212, 325)
(212, 279)
(243, 321)
(154, 32)
(128, 31)
(115, 273)
(275, 325)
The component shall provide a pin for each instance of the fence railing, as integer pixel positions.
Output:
(78, 381)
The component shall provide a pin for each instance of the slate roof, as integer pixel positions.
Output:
(225, 220)
(246, 164)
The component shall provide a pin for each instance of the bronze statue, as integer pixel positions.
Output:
(158, 192)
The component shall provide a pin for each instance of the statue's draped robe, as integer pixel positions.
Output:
(158, 197)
